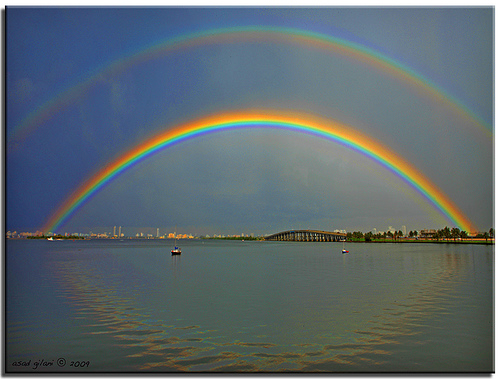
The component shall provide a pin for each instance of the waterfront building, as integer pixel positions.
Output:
(428, 233)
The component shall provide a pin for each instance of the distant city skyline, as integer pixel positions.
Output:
(149, 232)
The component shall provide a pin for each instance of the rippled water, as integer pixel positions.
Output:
(130, 306)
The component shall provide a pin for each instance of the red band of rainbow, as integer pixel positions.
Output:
(322, 128)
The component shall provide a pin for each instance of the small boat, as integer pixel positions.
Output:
(50, 239)
(176, 250)
(344, 251)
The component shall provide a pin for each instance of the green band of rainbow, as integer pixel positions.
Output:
(322, 128)
(294, 36)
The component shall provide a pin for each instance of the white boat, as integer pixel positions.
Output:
(344, 251)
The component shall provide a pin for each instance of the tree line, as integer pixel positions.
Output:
(444, 234)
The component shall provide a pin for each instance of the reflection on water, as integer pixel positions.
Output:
(413, 298)
(373, 345)
(176, 262)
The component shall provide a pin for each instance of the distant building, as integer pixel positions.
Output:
(428, 233)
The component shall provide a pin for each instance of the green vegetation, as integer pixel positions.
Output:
(57, 237)
(445, 235)
(235, 238)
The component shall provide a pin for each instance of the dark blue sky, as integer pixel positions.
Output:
(252, 182)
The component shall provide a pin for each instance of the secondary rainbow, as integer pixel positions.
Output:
(323, 128)
(294, 36)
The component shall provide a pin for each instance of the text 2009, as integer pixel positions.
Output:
(80, 364)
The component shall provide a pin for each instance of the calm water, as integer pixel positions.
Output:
(113, 306)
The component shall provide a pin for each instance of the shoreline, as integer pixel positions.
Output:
(403, 241)
(474, 242)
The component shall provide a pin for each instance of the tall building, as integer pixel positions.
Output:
(120, 231)
(157, 232)
(404, 230)
(114, 231)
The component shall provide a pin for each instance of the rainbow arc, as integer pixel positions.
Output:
(301, 38)
(300, 123)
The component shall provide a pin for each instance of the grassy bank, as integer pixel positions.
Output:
(413, 240)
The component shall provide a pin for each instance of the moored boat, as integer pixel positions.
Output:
(344, 251)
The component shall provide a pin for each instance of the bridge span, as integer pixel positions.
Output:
(307, 236)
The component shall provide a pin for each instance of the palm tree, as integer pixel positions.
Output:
(446, 232)
(439, 234)
(455, 233)
(368, 236)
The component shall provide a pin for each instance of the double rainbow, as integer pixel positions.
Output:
(323, 128)
(302, 38)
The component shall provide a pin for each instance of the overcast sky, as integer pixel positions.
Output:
(247, 181)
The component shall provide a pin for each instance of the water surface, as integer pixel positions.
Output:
(129, 306)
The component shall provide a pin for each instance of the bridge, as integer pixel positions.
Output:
(307, 236)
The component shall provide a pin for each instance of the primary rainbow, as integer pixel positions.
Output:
(299, 37)
(326, 129)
